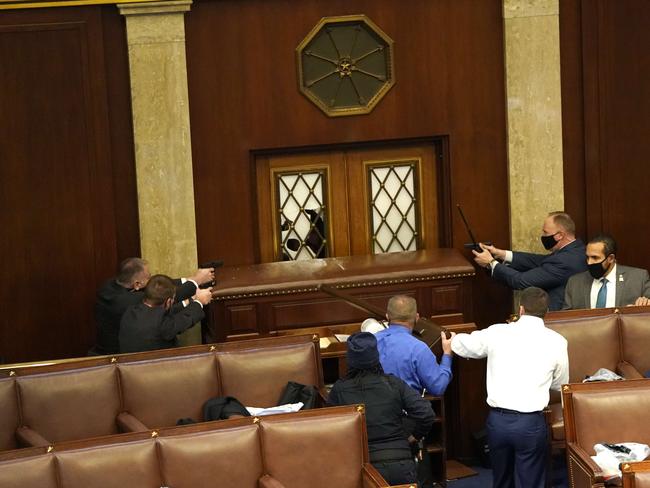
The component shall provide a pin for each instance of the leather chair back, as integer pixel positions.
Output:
(71, 404)
(128, 465)
(317, 448)
(160, 391)
(334, 446)
(593, 344)
(32, 472)
(610, 413)
(245, 373)
(227, 458)
(9, 418)
(635, 337)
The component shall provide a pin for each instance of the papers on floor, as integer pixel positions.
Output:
(287, 408)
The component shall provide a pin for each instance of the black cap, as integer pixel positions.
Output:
(362, 351)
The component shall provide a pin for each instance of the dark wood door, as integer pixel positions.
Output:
(59, 235)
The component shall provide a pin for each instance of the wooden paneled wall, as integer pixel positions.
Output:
(67, 184)
(244, 97)
(606, 120)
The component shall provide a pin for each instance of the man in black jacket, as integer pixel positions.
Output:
(155, 323)
(125, 290)
(386, 397)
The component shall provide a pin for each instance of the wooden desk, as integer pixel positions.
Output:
(267, 299)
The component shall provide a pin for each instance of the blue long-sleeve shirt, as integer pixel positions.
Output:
(410, 359)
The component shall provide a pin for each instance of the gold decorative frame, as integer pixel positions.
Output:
(345, 65)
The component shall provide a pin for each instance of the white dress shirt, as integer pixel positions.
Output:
(524, 361)
(611, 289)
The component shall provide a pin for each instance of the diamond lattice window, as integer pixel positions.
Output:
(302, 216)
(394, 206)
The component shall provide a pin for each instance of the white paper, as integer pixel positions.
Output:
(287, 408)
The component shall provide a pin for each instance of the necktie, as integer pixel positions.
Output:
(601, 299)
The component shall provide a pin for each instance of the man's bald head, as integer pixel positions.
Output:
(402, 309)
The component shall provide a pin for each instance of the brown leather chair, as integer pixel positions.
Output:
(635, 340)
(32, 468)
(593, 343)
(125, 465)
(335, 446)
(636, 475)
(229, 457)
(319, 448)
(77, 399)
(256, 374)
(614, 412)
(66, 405)
(158, 392)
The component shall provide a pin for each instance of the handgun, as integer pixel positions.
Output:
(217, 263)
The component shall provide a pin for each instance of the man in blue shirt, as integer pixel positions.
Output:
(408, 358)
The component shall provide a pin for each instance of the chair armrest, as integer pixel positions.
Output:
(268, 481)
(27, 437)
(371, 478)
(128, 423)
(581, 466)
(627, 371)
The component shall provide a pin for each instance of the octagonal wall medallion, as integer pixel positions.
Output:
(345, 65)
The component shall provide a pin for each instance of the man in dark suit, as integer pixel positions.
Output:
(157, 320)
(606, 283)
(119, 293)
(550, 272)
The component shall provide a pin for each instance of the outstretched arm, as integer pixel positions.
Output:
(435, 377)
(473, 346)
(545, 277)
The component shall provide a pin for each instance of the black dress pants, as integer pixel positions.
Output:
(518, 448)
(397, 472)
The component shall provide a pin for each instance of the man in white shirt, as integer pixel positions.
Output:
(524, 361)
(606, 283)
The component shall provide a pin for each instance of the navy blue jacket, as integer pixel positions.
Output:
(549, 272)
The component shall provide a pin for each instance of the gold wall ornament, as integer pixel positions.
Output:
(345, 65)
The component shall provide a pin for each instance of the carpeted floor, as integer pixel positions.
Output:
(484, 477)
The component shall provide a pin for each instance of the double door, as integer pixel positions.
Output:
(348, 202)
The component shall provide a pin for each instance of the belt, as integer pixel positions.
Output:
(390, 455)
(514, 412)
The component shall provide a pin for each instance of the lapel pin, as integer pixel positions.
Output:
(620, 278)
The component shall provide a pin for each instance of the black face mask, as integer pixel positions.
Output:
(548, 241)
(596, 270)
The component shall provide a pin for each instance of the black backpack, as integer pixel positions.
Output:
(296, 392)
